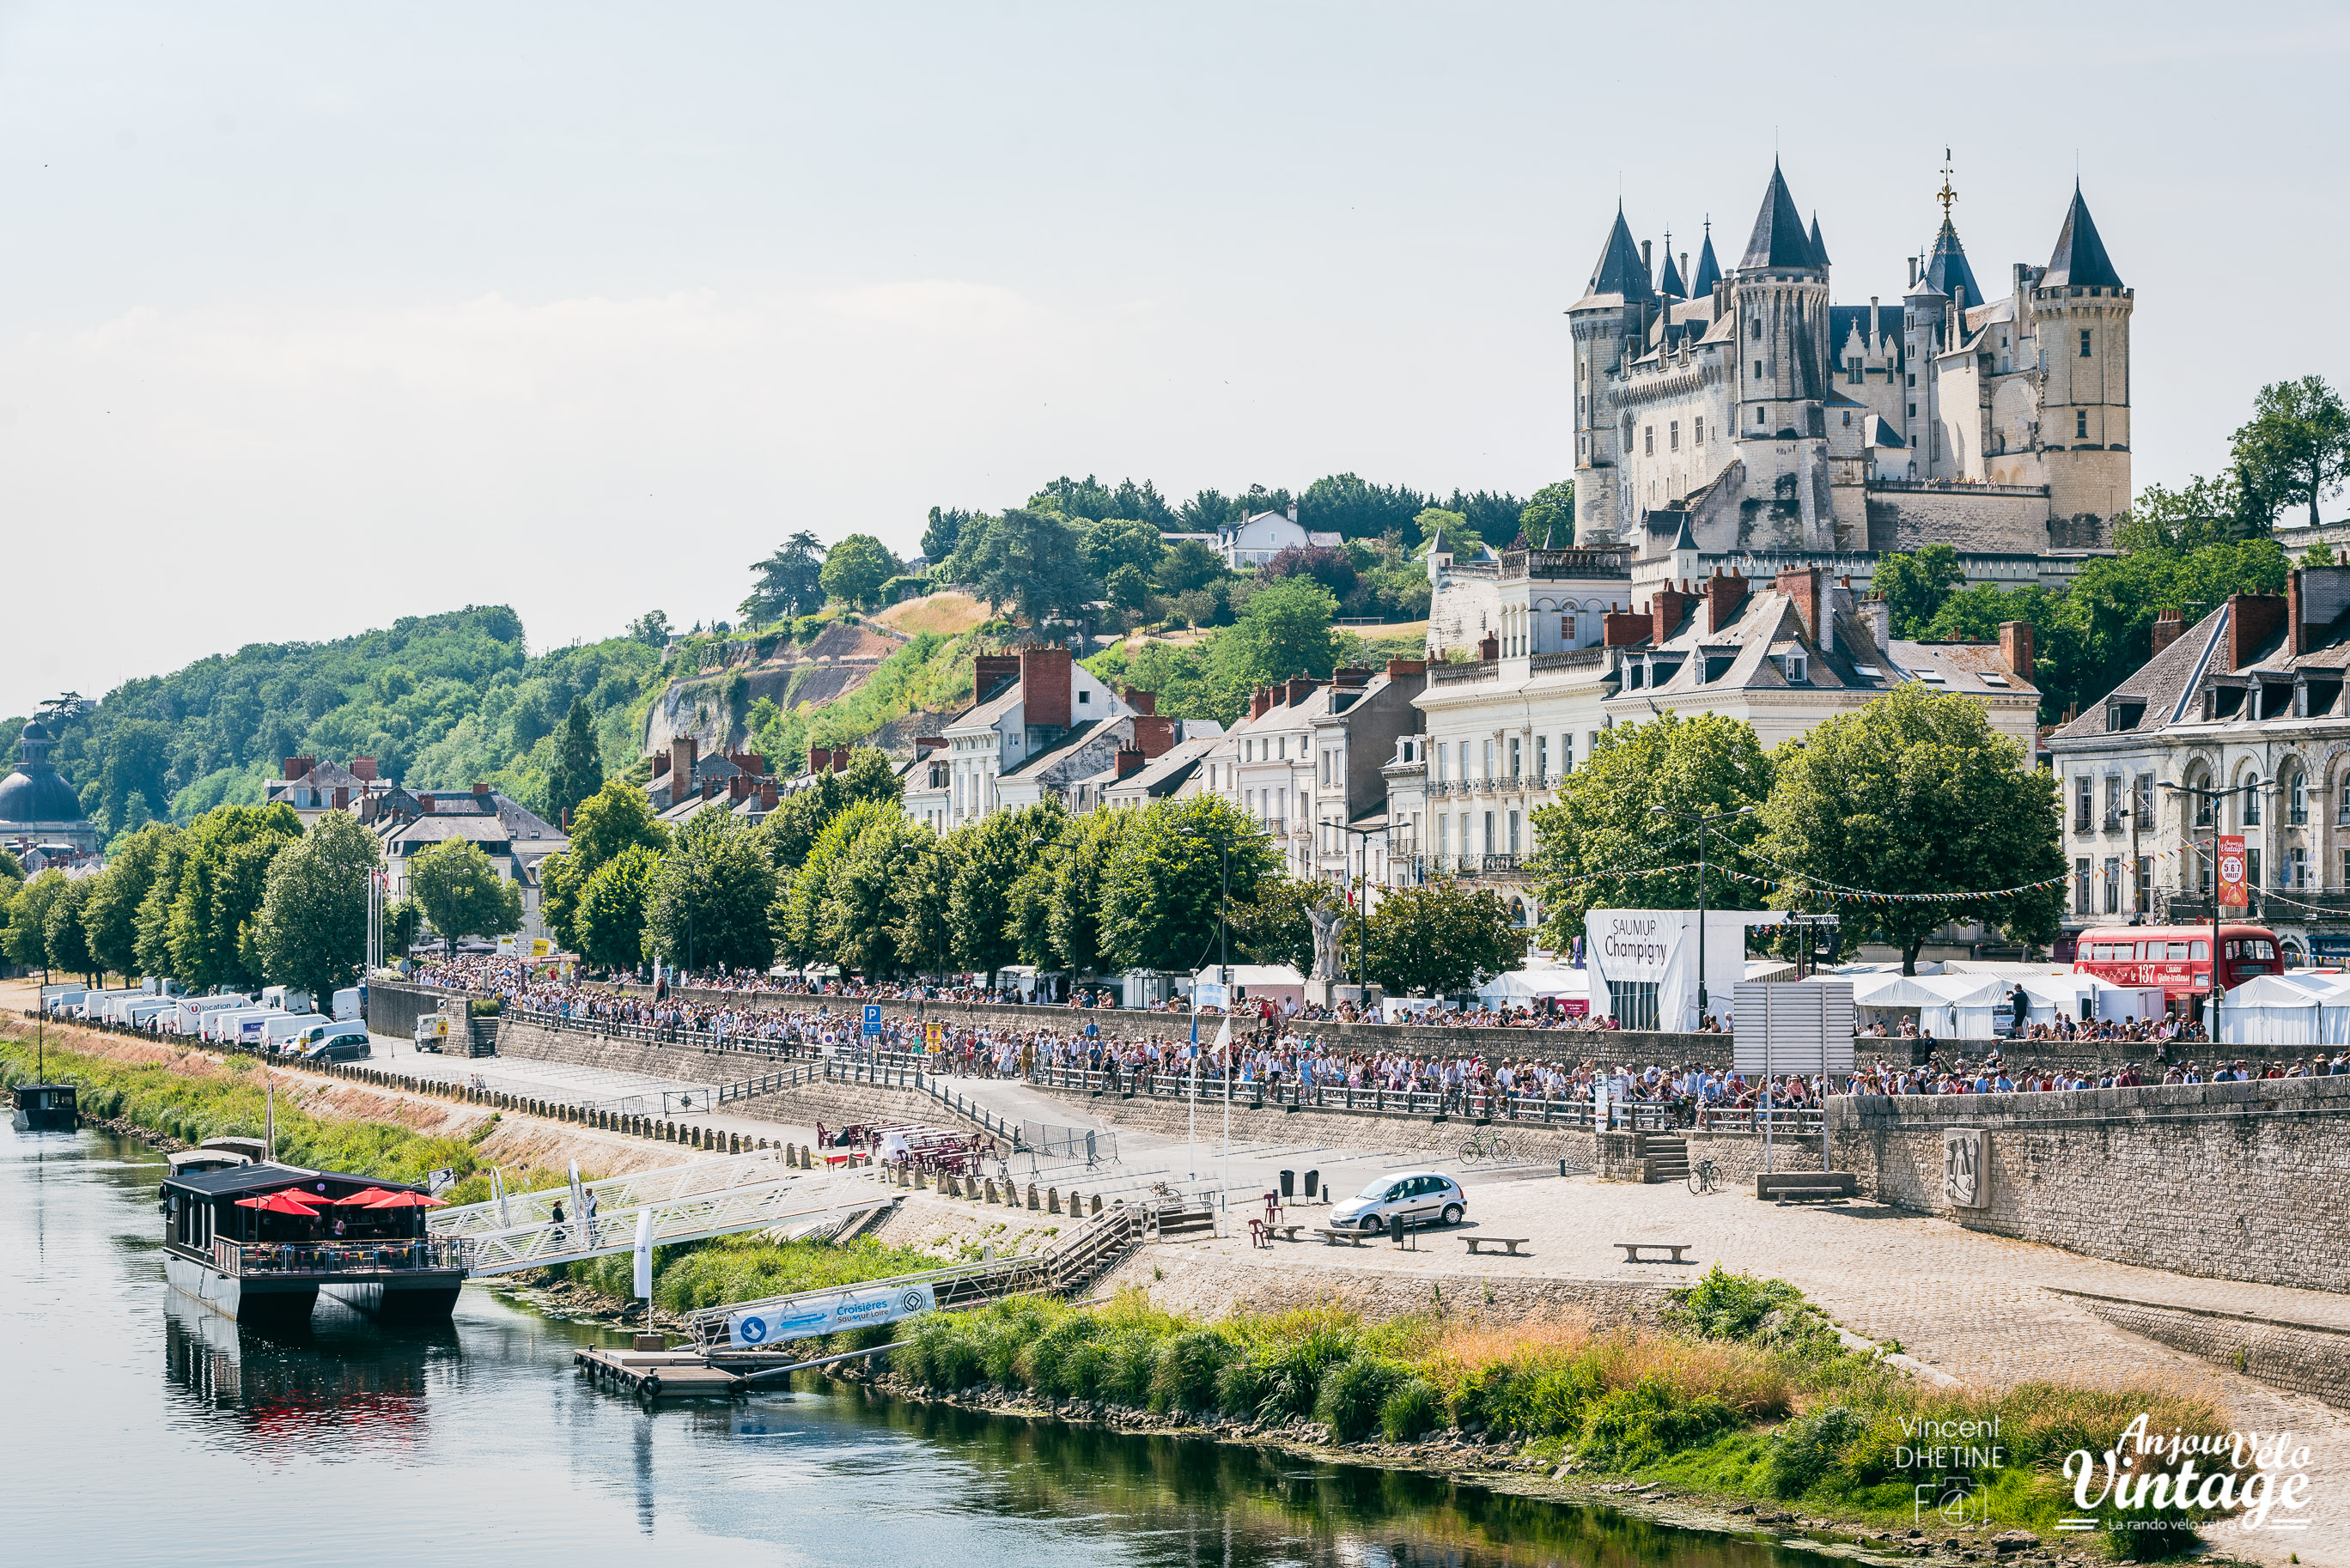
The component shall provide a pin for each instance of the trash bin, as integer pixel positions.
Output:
(1312, 1184)
(1394, 1228)
(1288, 1185)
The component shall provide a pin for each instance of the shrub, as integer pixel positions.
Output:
(938, 1353)
(1352, 1395)
(1640, 1425)
(1410, 1412)
(1802, 1450)
(1242, 1385)
(1772, 1313)
(1183, 1377)
(1129, 1358)
(1055, 1365)
(1294, 1372)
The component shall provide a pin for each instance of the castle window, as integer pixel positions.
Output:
(2084, 342)
(1697, 431)
(1913, 381)
(2080, 424)
(1673, 441)
(1758, 369)
(1648, 441)
(1847, 421)
(1913, 411)
(1852, 371)
(1757, 333)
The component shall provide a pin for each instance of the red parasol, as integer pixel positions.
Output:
(410, 1200)
(279, 1203)
(366, 1196)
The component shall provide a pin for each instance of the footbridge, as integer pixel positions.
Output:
(689, 1202)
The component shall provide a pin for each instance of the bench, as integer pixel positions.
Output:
(1352, 1238)
(1808, 1195)
(1807, 1184)
(1477, 1244)
(1286, 1230)
(1632, 1250)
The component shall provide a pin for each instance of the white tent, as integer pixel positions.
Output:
(2301, 1009)
(1524, 987)
(1946, 1006)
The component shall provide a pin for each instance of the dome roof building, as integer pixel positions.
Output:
(37, 803)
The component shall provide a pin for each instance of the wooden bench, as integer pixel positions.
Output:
(1632, 1250)
(1477, 1244)
(1286, 1230)
(1352, 1238)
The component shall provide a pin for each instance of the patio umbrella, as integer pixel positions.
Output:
(365, 1198)
(279, 1203)
(410, 1200)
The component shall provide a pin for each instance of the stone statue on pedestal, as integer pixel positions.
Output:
(1329, 918)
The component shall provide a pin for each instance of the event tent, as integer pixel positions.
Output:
(1946, 1006)
(1570, 988)
(2298, 1009)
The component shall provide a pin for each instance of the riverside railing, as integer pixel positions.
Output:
(390, 1255)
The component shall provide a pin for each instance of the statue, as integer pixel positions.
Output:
(1329, 918)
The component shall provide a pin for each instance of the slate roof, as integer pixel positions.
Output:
(1668, 281)
(2163, 681)
(1947, 267)
(1075, 734)
(1819, 246)
(2080, 260)
(1620, 269)
(1708, 271)
(435, 826)
(1779, 239)
(1843, 318)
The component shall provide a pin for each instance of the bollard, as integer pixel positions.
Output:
(1077, 1203)
(1052, 1200)
(951, 1187)
(1032, 1204)
(1096, 1207)
(991, 1189)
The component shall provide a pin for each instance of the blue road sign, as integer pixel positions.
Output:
(872, 1018)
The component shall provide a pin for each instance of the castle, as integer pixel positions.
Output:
(1744, 414)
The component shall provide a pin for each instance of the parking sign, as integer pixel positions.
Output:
(872, 1018)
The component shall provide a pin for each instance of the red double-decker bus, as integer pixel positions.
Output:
(2176, 958)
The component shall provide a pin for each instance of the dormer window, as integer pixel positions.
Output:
(1085, 697)
(1798, 670)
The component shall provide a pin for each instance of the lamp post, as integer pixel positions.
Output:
(2246, 787)
(1363, 906)
(1704, 820)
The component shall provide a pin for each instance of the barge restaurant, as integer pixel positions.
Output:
(258, 1243)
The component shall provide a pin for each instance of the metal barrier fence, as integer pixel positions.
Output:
(1049, 1142)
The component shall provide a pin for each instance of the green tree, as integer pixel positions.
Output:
(1441, 938)
(945, 528)
(1115, 541)
(788, 578)
(1074, 901)
(28, 937)
(1188, 565)
(651, 628)
(579, 770)
(1914, 795)
(1913, 586)
(116, 893)
(1548, 520)
(863, 911)
(460, 892)
(2295, 449)
(2202, 512)
(64, 934)
(618, 817)
(797, 913)
(403, 922)
(1127, 588)
(1602, 844)
(710, 898)
(610, 923)
(1271, 928)
(1162, 891)
(1432, 521)
(1001, 849)
(1026, 560)
(222, 877)
(151, 925)
(925, 941)
(1354, 508)
(1287, 630)
(136, 784)
(855, 569)
(312, 927)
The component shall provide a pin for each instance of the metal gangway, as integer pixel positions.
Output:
(687, 1203)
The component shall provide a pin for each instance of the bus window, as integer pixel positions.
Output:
(2178, 951)
(2198, 950)
(2261, 949)
(2234, 949)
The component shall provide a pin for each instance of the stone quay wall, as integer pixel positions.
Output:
(2308, 1359)
(2239, 1181)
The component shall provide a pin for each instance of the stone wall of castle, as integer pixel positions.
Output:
(1977, 517)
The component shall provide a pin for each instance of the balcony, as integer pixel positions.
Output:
(1497, 865)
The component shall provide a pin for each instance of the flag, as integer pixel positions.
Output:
(1224, 1037)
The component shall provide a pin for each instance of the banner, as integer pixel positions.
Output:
(2232, 870)
(1643, 963)
(807, 1317)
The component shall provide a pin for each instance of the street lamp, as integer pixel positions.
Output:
(1704, 820)
(1362, 907)
(2246, 787)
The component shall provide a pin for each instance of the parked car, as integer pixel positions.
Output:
(432, 1032)
(1420, 1197)
(349, 1045)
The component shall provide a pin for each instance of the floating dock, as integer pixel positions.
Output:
(658, 1374)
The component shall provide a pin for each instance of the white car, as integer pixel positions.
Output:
(1420, 1197)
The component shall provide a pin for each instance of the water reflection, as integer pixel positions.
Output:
(345, 1379)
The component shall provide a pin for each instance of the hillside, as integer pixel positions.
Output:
(438, 700)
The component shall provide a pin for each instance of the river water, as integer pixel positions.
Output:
(142, 1427)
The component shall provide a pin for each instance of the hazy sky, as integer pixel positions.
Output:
(316, 315)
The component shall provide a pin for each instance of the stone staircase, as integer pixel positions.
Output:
(1664, 1157)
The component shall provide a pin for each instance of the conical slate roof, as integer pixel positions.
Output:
(1778, 239)
(1620, 269)
(2080, 260)
(1668, 283)
(1708, 271)
(1948, 268)
(1819, 248)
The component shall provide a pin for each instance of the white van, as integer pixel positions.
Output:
(286, 1026)
(225, 1023)
(347, 1004)
(189, 1012)
(65, 1001)
(286, 997)
(143, 1014)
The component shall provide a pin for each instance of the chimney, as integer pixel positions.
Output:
(2168, 626)
(1665, 611)
(1140, 701)
(1879, 616)
(342, 798)
(708, 788)
(2015, 647)
(297, 766)
(1723, 596)
(925, 745)
(751, 763)
(1622, 628)
(363, 768)
(1648, 262)
(566, 821)
(1258, 703)
(660, 765)
(1488, 646)
(1300, 688)
(2252, 620)
(738, 788)
(424, 803)
(1045, 677)
(990, 670)
(480, 788)
(1130, 761)
(683, 749)
(1293, 512)
(767, 796)
(1399, 668)
(1803, 585)
(1350, 675)
(1913, 272)
(1152, 734)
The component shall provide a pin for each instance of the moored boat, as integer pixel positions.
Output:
(46, 1107)
(260, 1243)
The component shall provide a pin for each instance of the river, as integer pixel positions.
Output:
(142, 1427)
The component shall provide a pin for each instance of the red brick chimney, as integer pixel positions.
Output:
(424, 803)
(1488, 646)
(738, 788)
(2169, 627)
(1803, 585)
(660, 765)
(2252, 620)
(363, 768)
(1130, 761)
(989, 669)
(767, 796)
(2015, 647)
(682, 750)
(480, 788)
(1260, 702)
(924, 744)
(297, 767)
(1723, 596)
(342, 798)
(1622, 628)
(1300, 688)
(708, 788)
(1350, 675)
(751, 763)
(1152, 734)
(567, 820)
(1666, 610)
(1399, 668)
(1140, 701)
(1045, 680)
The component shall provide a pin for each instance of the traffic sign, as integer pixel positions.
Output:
(872, 1018)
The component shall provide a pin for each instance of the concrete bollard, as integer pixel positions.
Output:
(991, 1189)
(1033, 1205)
(1077, 1202)
(1096, 1207)
(1052, 1200)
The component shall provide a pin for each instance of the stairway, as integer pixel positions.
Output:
(1664, 1157)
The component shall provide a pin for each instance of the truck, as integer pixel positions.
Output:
(143, 1014)
(432, 1032)
(278, 1032)
(225, 1023)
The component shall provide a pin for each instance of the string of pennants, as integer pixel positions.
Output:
(1847, 895)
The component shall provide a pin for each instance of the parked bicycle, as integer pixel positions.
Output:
(1483, 1145)
(1703, 1178)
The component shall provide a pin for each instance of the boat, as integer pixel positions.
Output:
(46, 1107)
(256, 1242)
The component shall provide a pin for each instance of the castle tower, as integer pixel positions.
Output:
(1933, 323)
(1610, 320)
(1779, 302)
(2082, 312)
(1708, 271)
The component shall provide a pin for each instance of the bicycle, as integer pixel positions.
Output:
(1703, 1178)
(1485, 1144)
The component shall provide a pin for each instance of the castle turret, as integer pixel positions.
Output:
(1779, 306)
(2082, 312)
(1608, 322)
(1708, 271)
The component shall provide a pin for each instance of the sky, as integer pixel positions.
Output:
(315, 316)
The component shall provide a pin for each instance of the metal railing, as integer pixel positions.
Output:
(664, 1184)
(388, 1255)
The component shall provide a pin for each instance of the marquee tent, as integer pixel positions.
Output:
(2301, 1009)
(1570, 988)
(1946, 1006)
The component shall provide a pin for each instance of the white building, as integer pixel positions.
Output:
(1040, 723)
(1259, 537)
(1307, 761)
